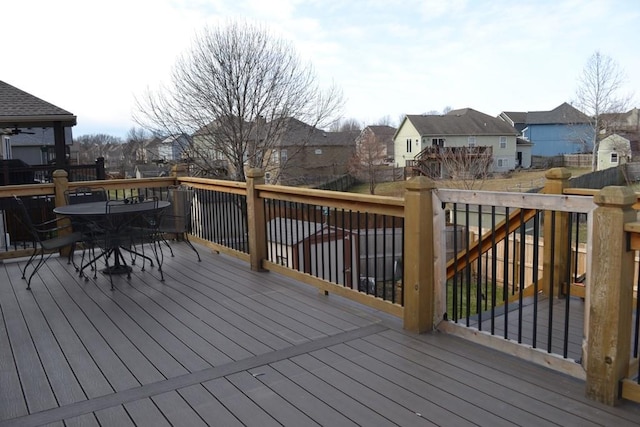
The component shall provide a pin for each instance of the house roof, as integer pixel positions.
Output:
(151, 170)
(562, 114)
(23, 110)
(515, 116)
(297, 131)
(466, 121)
(382, 132)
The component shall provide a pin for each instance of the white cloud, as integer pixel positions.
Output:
(390, 57)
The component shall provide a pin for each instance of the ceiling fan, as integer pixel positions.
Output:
(15, 131)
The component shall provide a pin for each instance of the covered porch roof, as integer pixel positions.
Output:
(20, 110)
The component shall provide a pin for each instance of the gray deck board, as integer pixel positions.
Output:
(177, 411)
(114, 416)
(144, 412)
(219, 344)
(208, 407)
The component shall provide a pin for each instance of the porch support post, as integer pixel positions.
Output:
(60, 185)
(419, 277)
(610, 295)
(555, 230)
(257, 232)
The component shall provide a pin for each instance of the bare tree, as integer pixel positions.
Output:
(134, 146)
(233, 91)
(466, 167)
(93, 146)
(368, 159)
(598, 93)
(344, 125)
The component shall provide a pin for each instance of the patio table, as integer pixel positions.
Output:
(111, 216)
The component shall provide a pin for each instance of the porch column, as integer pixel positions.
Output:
(419, 278)
(257, 233)
(555, 230)
(60, 185)
(610, 295)
(60, 145)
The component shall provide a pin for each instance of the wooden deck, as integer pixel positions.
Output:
(218, 344)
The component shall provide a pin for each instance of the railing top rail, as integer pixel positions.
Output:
(27, 190)
(221, 185)
(111, 184)
(393, 206)
(555, 202)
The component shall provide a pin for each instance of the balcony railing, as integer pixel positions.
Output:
(533, 274)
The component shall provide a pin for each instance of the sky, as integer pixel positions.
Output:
(389, 57)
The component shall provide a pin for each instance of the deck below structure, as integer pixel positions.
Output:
(219, 344)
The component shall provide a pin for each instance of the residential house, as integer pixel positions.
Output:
(210, 161)
(618, 148)
(293, 152)
(462, 130)
(173, 148)
(383, 135)
(151, 171)
(145, 151)
(34, 130)
(305, 155)
(621, 122)
(563, 130)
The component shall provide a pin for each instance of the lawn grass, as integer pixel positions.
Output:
(467, 297)
(518, 181)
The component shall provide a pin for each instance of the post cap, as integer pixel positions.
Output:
(558, 173)
(615, 196)
(420, 183)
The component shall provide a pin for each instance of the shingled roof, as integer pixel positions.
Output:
(23, 110)
(466, 121)
(562, 114)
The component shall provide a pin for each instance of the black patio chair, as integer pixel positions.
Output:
(177, 220)
(130, 223)
(48, 238)
(85, 195)
(90, 229)
(144, 232)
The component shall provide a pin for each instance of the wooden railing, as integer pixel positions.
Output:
(608, 289)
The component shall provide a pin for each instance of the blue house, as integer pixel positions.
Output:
(563, 130)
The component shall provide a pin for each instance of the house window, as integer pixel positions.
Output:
(318, 151)
(614, 157)
(503, 142)
(283, 156)
(502, 163)
(472, 141)
(437, 142)
(276, 157)
(408, 145)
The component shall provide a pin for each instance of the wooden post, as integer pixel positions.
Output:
(256, 220)
(555, 231)
(419, 278)
(610, 295)
(179, 170)
(60, 185)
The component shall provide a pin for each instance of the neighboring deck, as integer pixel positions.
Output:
(219, 344)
